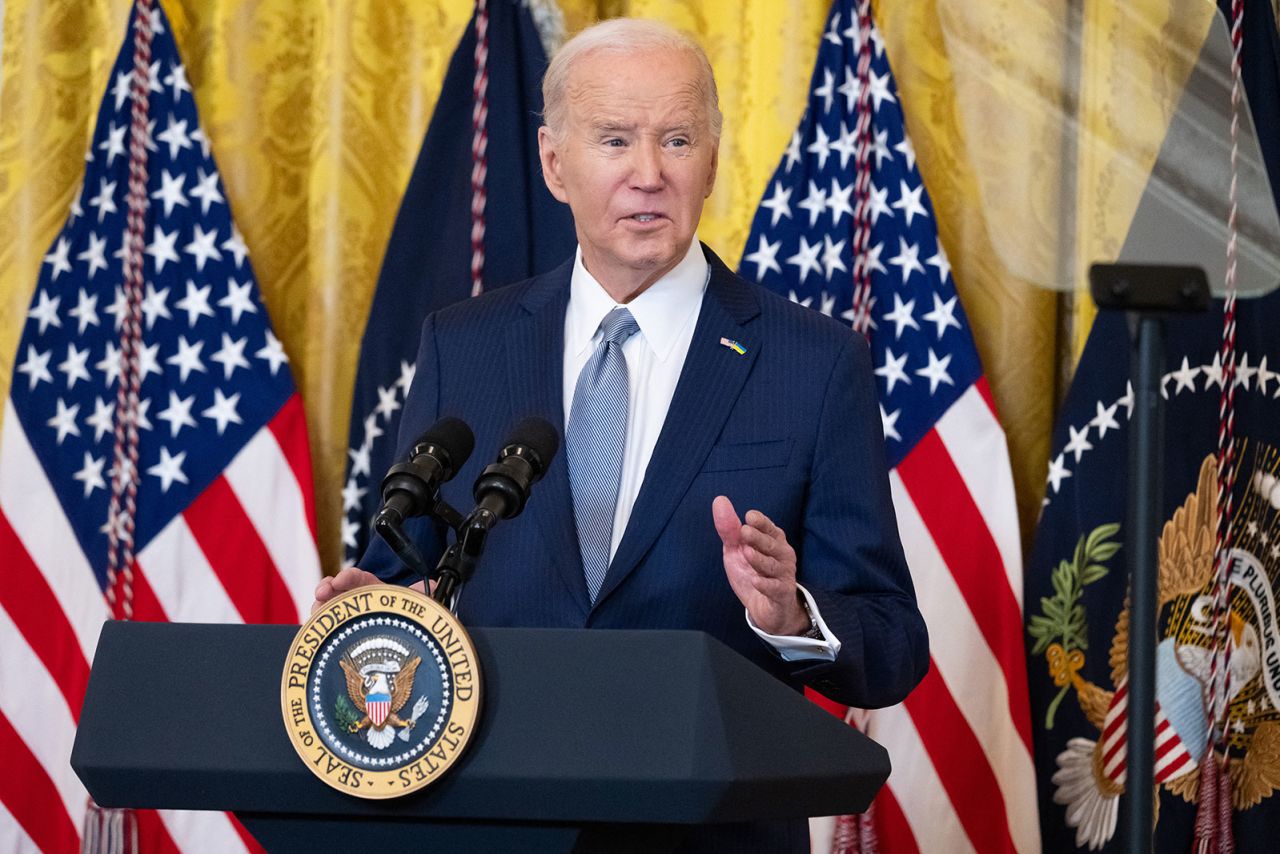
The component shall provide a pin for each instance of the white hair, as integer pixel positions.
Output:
(620, 36)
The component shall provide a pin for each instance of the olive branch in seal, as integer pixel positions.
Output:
(344, 713)
(1061, 630)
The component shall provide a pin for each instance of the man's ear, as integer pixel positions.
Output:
(549, 154)
(715, 165)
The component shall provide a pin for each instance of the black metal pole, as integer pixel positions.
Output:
(1147, 293)
(1146, 456)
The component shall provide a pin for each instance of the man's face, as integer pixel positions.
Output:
(635, 164)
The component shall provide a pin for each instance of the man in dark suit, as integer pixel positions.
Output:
(681, 391)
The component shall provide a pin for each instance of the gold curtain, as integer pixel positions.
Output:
(316, 113)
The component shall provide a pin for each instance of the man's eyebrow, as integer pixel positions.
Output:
(606, 125)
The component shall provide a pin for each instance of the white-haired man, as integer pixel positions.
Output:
(681, 390)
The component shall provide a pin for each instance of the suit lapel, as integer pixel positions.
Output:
(535, 370)
(710, 382)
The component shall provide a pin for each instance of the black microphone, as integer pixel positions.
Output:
(500, 492)
(411, 488)
(503, 487)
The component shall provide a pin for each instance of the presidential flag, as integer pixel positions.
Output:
(476, 215)
(153, 461)
(846, 228)
(1078, 574)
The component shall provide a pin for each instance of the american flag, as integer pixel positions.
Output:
(963, 777)
(224, 527)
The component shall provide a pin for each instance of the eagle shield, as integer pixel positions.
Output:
(379, 674)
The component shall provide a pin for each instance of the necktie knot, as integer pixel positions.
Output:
(618, 325)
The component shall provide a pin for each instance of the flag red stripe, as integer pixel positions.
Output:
(831, 706)
(961, 764)
(1113, 734)
(245, 836)
(1177, 769)
(290, 429)
(965, 543)
(1168, 747)
(1118, 721)
(984, 391)
(893, 831)
(1109, 754)
(238, 556)
(30, 603)
(31, 797)
(153, 836)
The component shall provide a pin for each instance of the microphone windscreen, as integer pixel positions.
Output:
(537, 435)
(453, 436)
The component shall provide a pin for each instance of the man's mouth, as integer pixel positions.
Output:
(644, 217)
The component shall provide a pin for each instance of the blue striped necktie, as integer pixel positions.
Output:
(594, 442)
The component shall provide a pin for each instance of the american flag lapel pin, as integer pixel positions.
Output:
(734, 346)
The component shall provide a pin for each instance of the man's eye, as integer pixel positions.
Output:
(679, 142)
(614, 142)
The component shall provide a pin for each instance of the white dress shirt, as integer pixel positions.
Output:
(666, 312)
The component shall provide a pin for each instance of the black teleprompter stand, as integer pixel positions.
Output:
(1146, 292)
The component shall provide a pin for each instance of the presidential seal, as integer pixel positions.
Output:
(380, 692)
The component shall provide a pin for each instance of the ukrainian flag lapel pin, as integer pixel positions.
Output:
(734, 346)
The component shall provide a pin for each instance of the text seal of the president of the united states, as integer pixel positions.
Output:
(380, 692)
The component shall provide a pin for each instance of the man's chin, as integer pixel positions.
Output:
(656, 253)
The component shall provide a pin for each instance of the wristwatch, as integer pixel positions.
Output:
(814, 631)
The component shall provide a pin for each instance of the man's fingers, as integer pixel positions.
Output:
(353, 577)
(758, 550)
(324, 592)
(764, 525)
(728, 525)
(762, 533)
(348, 579)
(764, 565)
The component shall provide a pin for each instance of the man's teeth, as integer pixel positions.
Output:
(645, 217)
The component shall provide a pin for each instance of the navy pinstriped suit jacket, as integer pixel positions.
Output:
(791, 428)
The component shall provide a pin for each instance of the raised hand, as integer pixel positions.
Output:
(761, 567)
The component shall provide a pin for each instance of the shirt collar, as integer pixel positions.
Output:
(661, 311)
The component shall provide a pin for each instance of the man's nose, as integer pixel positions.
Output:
(646, 171)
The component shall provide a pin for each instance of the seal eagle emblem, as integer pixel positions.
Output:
(379, 675)
(1091, 773)
(381, 691)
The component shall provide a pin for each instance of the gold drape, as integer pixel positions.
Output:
(1150, 45)
(316, 112)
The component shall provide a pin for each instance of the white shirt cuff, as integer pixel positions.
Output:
(792, 648)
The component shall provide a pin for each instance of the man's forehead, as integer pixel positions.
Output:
(603, 93)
